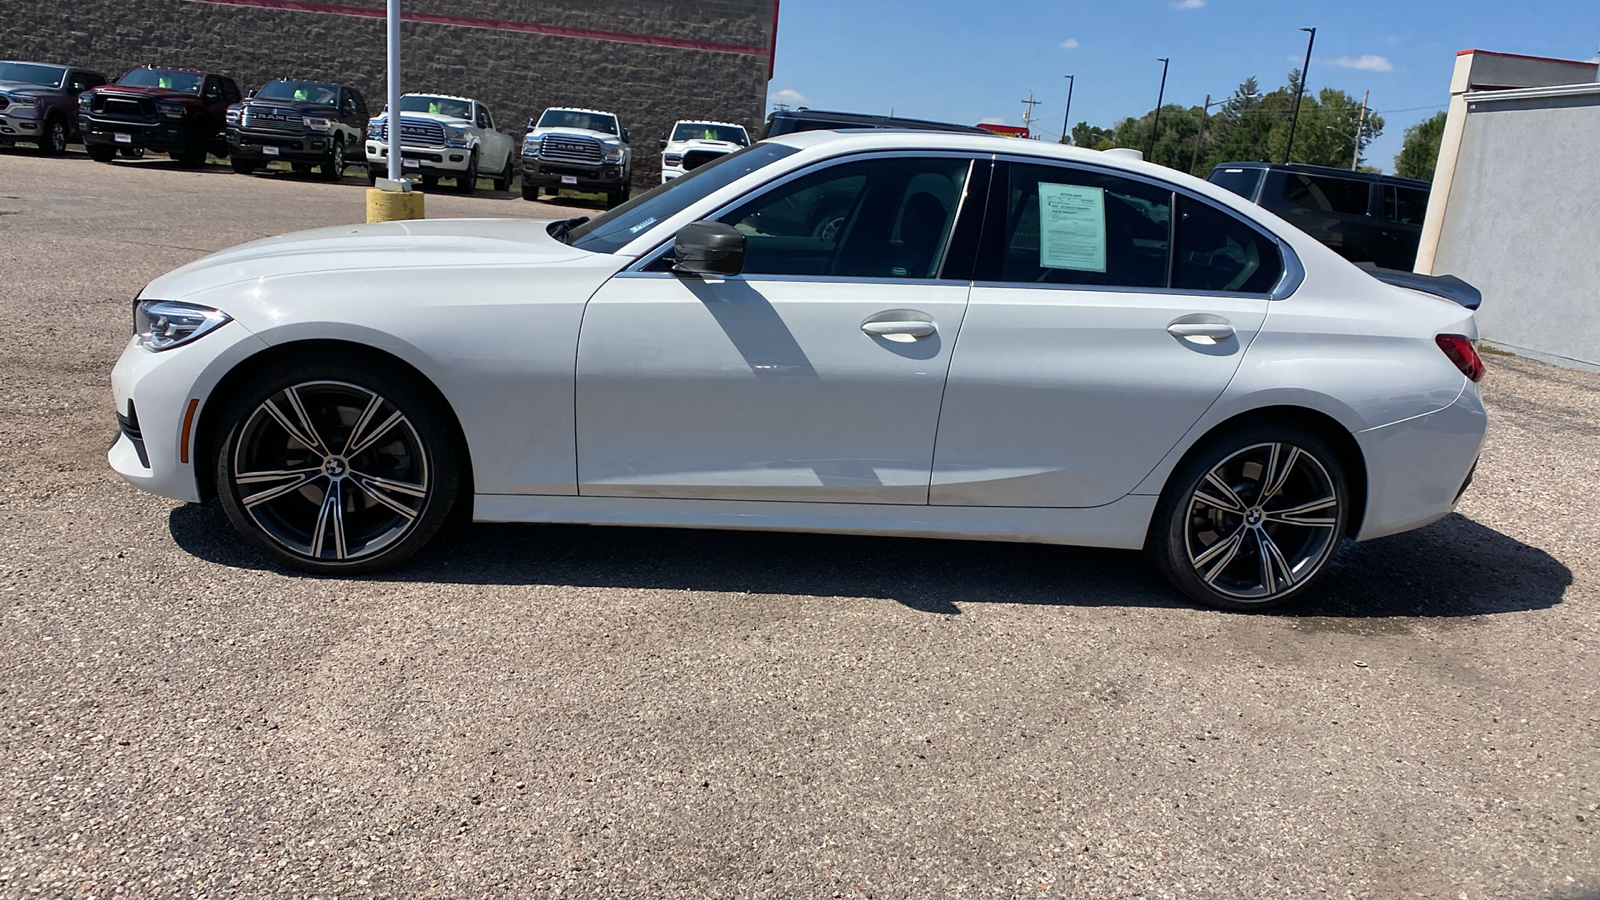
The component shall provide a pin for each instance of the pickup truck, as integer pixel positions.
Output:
(692, 144)
(579, 150)
(305, 123)
(39, 103)
(179, 112)
(443, 136)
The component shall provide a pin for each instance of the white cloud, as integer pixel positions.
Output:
(1371, 62)
(787, 95)
(1069, 44)
(1189, 4)
(991, 120)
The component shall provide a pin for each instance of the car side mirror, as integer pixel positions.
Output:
(625, 135)
(663, 143)
(251, 95)
(709, 248)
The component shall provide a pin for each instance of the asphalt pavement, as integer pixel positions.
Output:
(572, 711)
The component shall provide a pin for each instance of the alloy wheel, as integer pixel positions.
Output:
(1262, 522)
(330, 471)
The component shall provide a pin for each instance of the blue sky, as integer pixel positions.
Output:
(966, 61)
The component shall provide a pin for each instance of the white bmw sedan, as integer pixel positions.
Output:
(943, 335)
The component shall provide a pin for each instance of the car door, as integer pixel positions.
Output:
(816, 374)
(1107, 314)
(493, 156)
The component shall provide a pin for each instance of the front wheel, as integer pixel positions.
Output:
(1252, 517)
(337, 468)
(530, 191)
(54, 140)
(101, 152)
(333, 167)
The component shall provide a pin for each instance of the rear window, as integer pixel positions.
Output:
(1241, 181)
(1324, 194)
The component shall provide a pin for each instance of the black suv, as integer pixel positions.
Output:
(174, 111)
(305, 123)
(1363, 217)
(789, 121)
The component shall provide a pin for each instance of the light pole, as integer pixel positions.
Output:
(394, 90)
(1293, 120)
(1160, 96)
(1066, 117)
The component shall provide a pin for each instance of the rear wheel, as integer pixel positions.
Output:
(337, 467)
(54, 140)
(530, 191)
(467, 182)
(1252, 518)
(502, 182)
(333, 167)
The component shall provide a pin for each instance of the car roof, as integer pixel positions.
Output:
(598, 112)
(440, 96)
(170, 69)
(29, 62)
(1330, 171)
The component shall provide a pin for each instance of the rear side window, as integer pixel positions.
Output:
(1324, 194)
(1217, 252)
(1241, 181)
(1408, 206)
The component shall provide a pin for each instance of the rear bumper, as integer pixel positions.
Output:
(1418, 469)
(602, 177)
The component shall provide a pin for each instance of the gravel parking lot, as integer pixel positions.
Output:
(571, 711)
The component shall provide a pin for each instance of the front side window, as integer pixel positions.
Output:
(165, 79)
(1323, 194)
(1408, 206)
(1077, 226)
(873, 218)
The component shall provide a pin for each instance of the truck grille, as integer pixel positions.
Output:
(694, 159)
(563, 148)
(414, 132)
(272, 120)
(120, 106)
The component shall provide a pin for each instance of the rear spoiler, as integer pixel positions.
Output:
(1448, 287)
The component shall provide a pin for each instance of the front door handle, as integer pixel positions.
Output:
(1213, 330)
(893, 329)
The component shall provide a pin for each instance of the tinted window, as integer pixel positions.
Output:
(1241, 181)
(877, 218)
(1408, 206)
(709, 131)
(301, 91)
(1217, 252)
(1074, 226)
(439, 106)
(32, 73)
(568, 118)
(609, 232)
(184, 82)
(1319, 192)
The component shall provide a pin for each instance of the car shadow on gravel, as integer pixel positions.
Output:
(1454, 568)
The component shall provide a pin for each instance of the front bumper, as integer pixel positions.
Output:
(444, 162)
(254, 146)
(153, 391)
(162, 136)
(670, 172)
(15, 127)
(602, 177)
(1418, 469)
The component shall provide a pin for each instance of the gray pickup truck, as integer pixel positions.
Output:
(39, 103)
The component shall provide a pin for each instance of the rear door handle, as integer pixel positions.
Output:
(1200, 332)
(892, 329)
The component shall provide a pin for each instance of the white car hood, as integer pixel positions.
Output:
(432, 117)
(577, 132)
(422, 243)
(701, 144)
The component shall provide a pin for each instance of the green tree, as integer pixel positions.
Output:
(1086, 135)
(1420, 153)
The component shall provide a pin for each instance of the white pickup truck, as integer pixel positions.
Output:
(442, 136)
(694, 143)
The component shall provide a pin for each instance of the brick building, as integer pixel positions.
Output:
(650, 61)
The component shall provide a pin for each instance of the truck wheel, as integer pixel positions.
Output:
(530, 191)
(101, 152)
(243, 166)
(372, 174)
(430, 182)
(333, 168)
(467, 182)
(54, 140)
(502, 182)
(192, 156)
(301, 168)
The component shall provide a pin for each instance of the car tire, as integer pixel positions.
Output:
(1251, 517)
(333, 166)
(301, 168)
(101, 152)
(131, 152)
(54, 140)
(382, 496)
(372, 174)
(467, 182)
(430, 182)
(503, 181)
(530, 191)
(193, 155)
(243, 166)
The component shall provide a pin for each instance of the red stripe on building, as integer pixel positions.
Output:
(496, 25)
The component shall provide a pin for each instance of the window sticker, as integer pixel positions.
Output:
(1072, 227)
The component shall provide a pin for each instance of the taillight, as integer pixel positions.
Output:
(1462, 353)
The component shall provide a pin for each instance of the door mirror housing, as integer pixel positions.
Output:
(625, 135)
(251, 95)
(662, 143)
(709, 248)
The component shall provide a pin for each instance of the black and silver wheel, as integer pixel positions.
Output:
(335, 468)
(467, 182)
(54, 140)
(333, 168)
(502, 182)
(1253, 518)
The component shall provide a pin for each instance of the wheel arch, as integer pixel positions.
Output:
(1325, 426)
(206, 429)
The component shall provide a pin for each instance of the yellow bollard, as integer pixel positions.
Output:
(393, 206)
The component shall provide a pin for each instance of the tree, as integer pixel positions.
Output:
(1088, 136)
(1420, 153)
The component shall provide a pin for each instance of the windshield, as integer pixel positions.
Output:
(707, 131)
(166, 79)
(611, 232)
(568, 118)
(31, 73)
(301, 92)
(439, 106)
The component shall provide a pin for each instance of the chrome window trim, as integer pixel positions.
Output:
(1294, 272)
(649, 257)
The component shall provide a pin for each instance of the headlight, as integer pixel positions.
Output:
(374, 129)
(232, 116)
(612, 153)
(456, 137)
(172, 110)
(318, 123)
(672, 159)
(164, 324)
(25, 106)
(530, 145)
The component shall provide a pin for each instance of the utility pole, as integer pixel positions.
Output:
(1205, 112)
(1160, 97)
(1361, 125)
(1066, 117)
(1027, 109)
(1303, 71)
